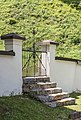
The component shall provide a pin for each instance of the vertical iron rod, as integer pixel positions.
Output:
(34, 55)
(34, 51)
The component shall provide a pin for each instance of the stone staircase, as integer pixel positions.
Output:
(46, 91)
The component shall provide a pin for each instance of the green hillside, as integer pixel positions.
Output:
(58, 20)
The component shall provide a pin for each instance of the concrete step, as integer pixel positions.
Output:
(53, 97)
(31, 80)
(42, 85)
(62, 102)
(46, 91)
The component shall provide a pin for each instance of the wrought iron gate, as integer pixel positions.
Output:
(32, 62)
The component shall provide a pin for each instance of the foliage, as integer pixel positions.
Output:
(58, 20)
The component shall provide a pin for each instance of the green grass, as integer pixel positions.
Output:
(26, 108)
(78, 102)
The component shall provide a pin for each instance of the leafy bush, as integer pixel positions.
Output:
(56, 20)
(12, 21)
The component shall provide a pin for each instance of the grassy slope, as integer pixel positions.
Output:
(76, 107)
(26, 108)
(59, 20)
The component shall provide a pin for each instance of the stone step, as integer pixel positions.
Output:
(66, 101)
(62, 102)
(30, 80)
(53, 97)
(42, 85)
(46, 91)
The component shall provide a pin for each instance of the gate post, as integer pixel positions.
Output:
(48, 58)
(11, 72)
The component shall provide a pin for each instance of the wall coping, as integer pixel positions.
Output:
(12, 36)
(48, 42)
(11, 53)
(67, 59)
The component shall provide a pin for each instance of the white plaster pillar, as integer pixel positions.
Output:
(11, 73)
(48, 58)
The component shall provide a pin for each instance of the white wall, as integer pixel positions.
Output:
(11, 71)
(64, 74)
(77, 80)
(67, 74)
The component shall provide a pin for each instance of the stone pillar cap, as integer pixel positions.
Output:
(48, 42)
(12, 36)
